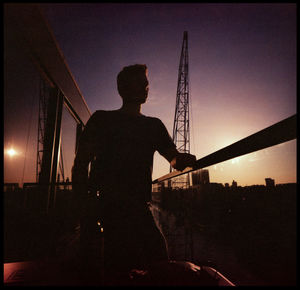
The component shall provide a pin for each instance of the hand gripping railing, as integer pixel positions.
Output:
(280, 132)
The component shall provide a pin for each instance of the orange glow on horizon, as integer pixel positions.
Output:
(277, 162)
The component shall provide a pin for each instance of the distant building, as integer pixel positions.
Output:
(226, 185)
(200, 176)
(234, 183)
(196, 177)
(204, 176)
(158, 187)
(11, 187)
(270, 182)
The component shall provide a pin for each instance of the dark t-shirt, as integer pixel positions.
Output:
(123, 147)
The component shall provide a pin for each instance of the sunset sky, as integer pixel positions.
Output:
(242, 71)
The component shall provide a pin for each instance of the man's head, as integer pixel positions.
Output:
(133, 83)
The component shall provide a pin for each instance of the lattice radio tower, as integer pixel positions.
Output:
(181, 127)
(181, 138)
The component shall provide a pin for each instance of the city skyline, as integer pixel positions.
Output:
(242, 78)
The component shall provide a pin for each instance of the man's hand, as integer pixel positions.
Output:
(183, 160)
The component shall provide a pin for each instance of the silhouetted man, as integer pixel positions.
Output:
(120, 145)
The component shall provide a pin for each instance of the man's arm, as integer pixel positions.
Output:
(167, 148)
(179, 160)
(80, 172)
(84, 155)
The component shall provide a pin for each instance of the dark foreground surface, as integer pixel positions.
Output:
(62, 273)
(252, 244)
(44, 250)
(49, 256)
(67, 271)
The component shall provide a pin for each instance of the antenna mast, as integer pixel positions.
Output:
(181, 127)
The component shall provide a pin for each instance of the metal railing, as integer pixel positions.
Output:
(278, 133)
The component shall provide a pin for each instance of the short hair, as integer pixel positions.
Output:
(127, 76)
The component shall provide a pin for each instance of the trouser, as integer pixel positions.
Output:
(132, 239)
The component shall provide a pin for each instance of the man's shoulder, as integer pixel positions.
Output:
(153, 119)
(155, 123)
(100, 114)
(97, 118)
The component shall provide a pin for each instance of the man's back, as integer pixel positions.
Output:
(124, 146)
